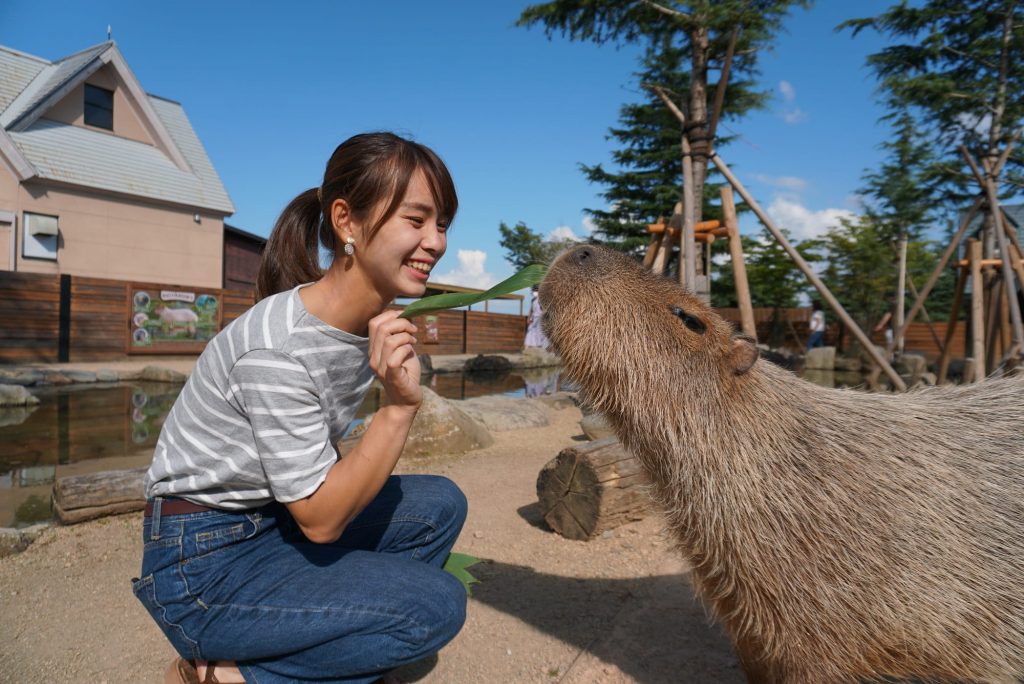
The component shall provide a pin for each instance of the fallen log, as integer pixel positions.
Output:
(592, 488)
(78, 498)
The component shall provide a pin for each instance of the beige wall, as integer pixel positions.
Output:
(122, 238)
(127, 123)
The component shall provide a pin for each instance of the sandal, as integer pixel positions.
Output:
(182, 671)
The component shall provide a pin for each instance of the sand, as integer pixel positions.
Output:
(547, 609)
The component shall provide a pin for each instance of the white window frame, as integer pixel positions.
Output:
(40, 238)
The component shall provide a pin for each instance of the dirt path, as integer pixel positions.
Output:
(547, 609)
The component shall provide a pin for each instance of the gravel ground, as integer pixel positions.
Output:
(547, 609)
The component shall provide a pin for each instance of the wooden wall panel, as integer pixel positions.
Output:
(29, 316)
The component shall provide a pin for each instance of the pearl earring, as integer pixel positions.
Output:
(350, 246)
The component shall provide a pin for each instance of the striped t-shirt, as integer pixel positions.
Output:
(259, 416)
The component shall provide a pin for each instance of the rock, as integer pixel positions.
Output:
(913, 365)
(441, 427)
(558, 400)
(79, 376)
(820, 358)
(850, 364)
(927, 379)
(535, 357)
(825, 378)
(16, 395)
(16, 540)
(57, 379)
(426, 365)
(595, 426)
(499, 414)
(161, 374)
(487, 364)
(106, 375)
(779, 358)
(25, 377)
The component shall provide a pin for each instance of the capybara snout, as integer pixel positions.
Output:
(839, 535)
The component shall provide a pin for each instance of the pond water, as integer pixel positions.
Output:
(78, 429)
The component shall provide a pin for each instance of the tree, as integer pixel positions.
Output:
(524, 247)
(957, 66)
(696, 34)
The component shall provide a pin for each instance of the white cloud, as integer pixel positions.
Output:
(802, 222)
(794, 116)
(784, 182)
(588, 225)
(563, 233)
(787, 90)
(471, 271)
(979, 125)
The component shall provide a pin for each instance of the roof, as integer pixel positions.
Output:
(176, 169)
(253, 237)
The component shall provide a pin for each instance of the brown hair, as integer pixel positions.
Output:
(367, 170)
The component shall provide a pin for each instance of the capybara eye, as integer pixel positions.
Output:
(691, 322)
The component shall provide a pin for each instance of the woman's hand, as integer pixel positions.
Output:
(394, 360)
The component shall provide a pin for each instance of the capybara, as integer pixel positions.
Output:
(173, 318)
(839, 535)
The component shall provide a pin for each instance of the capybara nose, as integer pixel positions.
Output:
(582, 256)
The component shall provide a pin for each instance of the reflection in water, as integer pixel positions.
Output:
(79, 429)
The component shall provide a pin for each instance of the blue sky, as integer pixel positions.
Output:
(272, 87)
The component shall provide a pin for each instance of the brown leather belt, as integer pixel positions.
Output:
(177, 507)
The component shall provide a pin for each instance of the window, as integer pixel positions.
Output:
(99, 107)
(41, 235)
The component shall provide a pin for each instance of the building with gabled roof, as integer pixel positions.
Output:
(99, 178)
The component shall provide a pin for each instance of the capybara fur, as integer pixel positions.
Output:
(839, 535)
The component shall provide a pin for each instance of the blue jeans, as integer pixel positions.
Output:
(817, 339)
(249, 587)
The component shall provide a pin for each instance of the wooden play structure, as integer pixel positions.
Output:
(993, 266)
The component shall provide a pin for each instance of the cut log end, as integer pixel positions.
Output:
(592, 488)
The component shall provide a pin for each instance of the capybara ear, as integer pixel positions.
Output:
(743, 354)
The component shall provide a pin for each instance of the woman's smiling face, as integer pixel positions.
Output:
(399, 258)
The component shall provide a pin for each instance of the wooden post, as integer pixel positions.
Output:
(687, 246)
(865, 341)
(954, 316)
(739, 266)
(901, 286)
(934, 277)
(977, 309)
(652, 249)
(1005, 339)
(992, 321)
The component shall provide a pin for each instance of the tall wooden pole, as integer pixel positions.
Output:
(939, 267)
(847, 320)
(987, 182)
(687, 247)
(977, 309)
(901, 286)
(954, 320)
(739, 267)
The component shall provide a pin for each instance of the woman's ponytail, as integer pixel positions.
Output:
(292, 254)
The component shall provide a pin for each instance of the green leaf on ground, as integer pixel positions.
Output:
(457, 564)
(527, 277)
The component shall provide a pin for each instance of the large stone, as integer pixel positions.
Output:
(913, 365)
(106, 375)
(21, 376)
(499, 414)
(80, 376)
(16, 395)
(441, 428)
(161, 374)
(490, 363)
(16, 540)
(820, 358)
(849, 364)
(535, 357)
(595, 426)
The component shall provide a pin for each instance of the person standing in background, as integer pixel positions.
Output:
(817, 327)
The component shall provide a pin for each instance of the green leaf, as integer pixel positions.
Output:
(531, 275)
(457, 564)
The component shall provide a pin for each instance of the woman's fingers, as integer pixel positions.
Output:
(382, 328)
(392, 344)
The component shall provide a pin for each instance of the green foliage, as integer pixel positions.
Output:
(457, 564)
(684, 42)
(956, 67)
(861, 267)
(524, 247)
(527, 277)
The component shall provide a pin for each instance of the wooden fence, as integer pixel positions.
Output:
(48, 318)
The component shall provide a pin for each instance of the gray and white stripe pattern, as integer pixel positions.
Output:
(259, 416)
